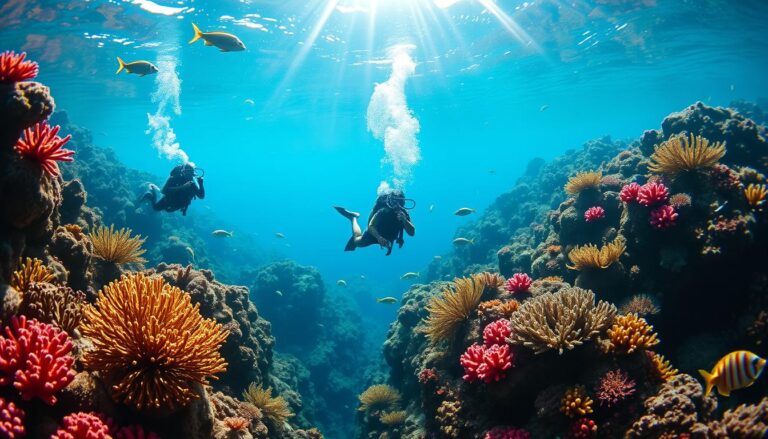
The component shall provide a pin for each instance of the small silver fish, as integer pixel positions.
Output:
(463, 241)
(141, 68)
(410, 275)
(279, 293)
(362, 276)
(341, 283)
(387, 300)
(431, 208)
(249, 102)
(222, 233)
(191, 252)
(721, 207)
(280, 235)
(438, 257)
(464, 211)
(543, 108)
(226, 42)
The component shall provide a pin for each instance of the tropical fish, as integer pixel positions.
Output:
(463, 241)
(438, 257)
(737, 370)
(226, 42)
(431, 208)
(249, 102)
(191, 252)
(721, 207)
(279, 293)
(341, 283)
(280, 235)
(388, 300)
(543, 108)
(410, 275)
(222, 233)
(141, 68)
(362, 276)
(464, 211)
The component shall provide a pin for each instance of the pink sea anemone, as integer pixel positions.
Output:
(507, 433)
(583, 428)
(486, 364)
(497, 332)
(663, 217)
(652, 194)
(518, 283)
(83, 425)
(614, 387)
(13, 68)
(594, 213)
(629, 192)
(11, 420)
(35, 358)
(42, 144)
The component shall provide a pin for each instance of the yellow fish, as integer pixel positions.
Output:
(224, 41)
(388, 300)
(141, 68)
(737, 370)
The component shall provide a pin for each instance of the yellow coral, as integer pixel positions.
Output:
(274, 408)
(755, 194)
(680, 153)
(31, 270)
(117, 246)
(448, 311)
(630, 333)
(576, 403)
(589, 256)
(379, 396)
(393, 418)
(582, 181)
(449, 418)
(151, 342)
(661, 367)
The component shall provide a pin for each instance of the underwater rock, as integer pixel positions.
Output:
(10, 300)
(74, 250)
(22, 105)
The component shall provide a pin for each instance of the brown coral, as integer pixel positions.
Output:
(449, 418)
(31, 270)
(447, 312)
(755, 194)
(379, 396)
(393, 418)
(589, 256)
(661, 367)
(747, 421)
(680, 154)
(561, 320)
(274, 408)
(54, 304)
(117, 246)
(237, 423)
(582, 181)
(576, 403)
(151, 342)
(640, 304)
(629, 333)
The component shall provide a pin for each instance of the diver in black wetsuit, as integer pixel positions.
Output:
(179, 190)
(386, 223)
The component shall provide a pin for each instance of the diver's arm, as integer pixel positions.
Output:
(405, 220)
(200, 188)
(172, 188)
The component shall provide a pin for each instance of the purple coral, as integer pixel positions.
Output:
(614, 387)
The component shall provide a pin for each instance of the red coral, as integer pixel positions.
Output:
(507, 433)
(486, 364)
(497, 332)
(629, 192)
(35, 357)
(83, 425)
(13, 68)
(725, 178)
(134, 432)
(471, 360)
(428, 375)
(583, 428)
(663, 217)
(11, 420)
(42, 144)
(594, 213)
(652, 193)
(614, 387)
(518, 283)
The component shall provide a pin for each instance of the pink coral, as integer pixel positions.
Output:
(497, 332)
(36, 358)
(42, 144)
(471, 360)
(507, 433)
(614, 387)
(518, 283)
(134, 432)
(11, 420)
(663, 217)
(13, 68)
(652, 193)
(486, 364)
(428, 375)
(83, 425)
(583, 428)
(594, 213)
(629, 192)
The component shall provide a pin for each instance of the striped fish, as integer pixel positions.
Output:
(737, 370)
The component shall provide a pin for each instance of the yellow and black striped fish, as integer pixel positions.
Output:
(737, 370)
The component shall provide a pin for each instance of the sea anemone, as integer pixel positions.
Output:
(663, 217)
(274, 408)
(447, 312)
(30, 271)
(117, 246)
(83, 425)
(582, 428)
(11, 420)
(379, 397)
(42, 144)
(392, 419)
(151, 342)
(681, 154)
(236, 423)
(583, 181)
(589, 256)
(629, 333)
(614, 387)
(487, 364)
(497, 332)
(652, 193)
(628, 193)
(680, 200)
(13, 68)
(661, 367)
(518, 283)
(755, 194)
(594, 213)
(576, 402)
(640, 304)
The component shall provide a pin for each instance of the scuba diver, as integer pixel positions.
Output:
(182, 186)
(386, 223)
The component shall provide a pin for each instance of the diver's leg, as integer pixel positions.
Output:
(357, 232)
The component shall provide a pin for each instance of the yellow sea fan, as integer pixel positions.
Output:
(452, 308)
(680, 154)
(755, 194)
(379, 396)
(589, 256)
(582, 181)
(273, 408)
(151, 342)
(576, 403)
(630, 333)
(117, 246)
(661, 367)
(393, 418)
(31, 270)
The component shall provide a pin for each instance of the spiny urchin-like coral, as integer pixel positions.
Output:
(13, 68)
(30, 271)
(614, 387)
(117, 246)
(43, 145)
(274, 408)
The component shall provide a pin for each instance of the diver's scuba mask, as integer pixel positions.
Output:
(393, 202)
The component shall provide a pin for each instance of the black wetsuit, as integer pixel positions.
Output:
(384, 218)
(178, 192)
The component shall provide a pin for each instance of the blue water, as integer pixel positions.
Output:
(495, 85)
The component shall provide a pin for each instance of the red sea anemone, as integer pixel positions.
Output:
(583, 428)
(652, 193)
(13, 68)
(83, 425)
(629, 192)
(507, 433)
(486, 364)
(614, 387)
(594, 213)
(518, 283)
(42, 144)
(11, 420)
(663, 217)
(497, 332)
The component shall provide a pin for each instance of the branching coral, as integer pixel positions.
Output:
(640, 304)
(117, 246)
(589, 256)
(11, 420)
(497, 332)
(448, 311)
(680, 154)
(630, 333)
(393, 418)
(582, 428)
(488, 364)
(30, 271)
(42, 144)
(274, 408)
(755, 194)
(582, 181)
(614, 387)
(379, 397)
(151, 342)
(518, 283)
(13, 68)
(629, 192)
(35, 358)
(560, 321)
(576, 403)
(83, 426)
(594, 213)
(663, 217)
(652, 194)
(660, 367)
(53, 304)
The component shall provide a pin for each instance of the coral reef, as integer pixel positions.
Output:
(448, 311)
(274, 408)
(43, 145)
(680, 154)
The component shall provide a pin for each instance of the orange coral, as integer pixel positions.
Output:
(576, 403)
(660, 367)
(151, 342)
(755, 194)
(30, 271)
(13, 68)
(237, 424)
(630, 333)
(496, 309)
(554, 249)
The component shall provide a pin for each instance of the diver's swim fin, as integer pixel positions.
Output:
(350, 245)
(346, 214)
